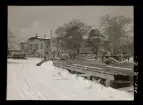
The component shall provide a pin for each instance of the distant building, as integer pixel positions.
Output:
(24, 46)
(36, 46)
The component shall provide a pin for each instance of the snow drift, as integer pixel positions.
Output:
(47, 82)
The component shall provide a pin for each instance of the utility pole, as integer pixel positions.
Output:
(51, 34)
(51, 40)
(51, 44)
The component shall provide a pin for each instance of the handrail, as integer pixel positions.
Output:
(88, 66)
(101, 70)
(119, 67)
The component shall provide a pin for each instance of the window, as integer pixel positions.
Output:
(41, 46)
(47, 45)
(36, 46)
(31, 46)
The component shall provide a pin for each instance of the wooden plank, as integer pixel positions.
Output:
(88, 74)
(103, 71)
(129, 89)
(110, 77)
(94, 69)
(119, 68)
(70, 68)
(91, 73)
(88, 67)
(113, 72)
(101, 75)
(122, 81)
(84, 75)
(108, 82)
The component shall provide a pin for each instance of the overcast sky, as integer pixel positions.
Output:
(24, 20)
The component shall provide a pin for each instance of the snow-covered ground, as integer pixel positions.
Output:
(26, 81)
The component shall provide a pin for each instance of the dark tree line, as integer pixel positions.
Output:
(72, 35)
(113, 38)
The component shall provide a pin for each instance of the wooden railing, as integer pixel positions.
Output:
(110, 69)
(89, 72)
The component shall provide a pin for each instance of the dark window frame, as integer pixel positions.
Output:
(41, 46)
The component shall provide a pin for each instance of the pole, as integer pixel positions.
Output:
(51, 34)
(51, 44)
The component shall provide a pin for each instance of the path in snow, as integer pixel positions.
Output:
(26, 81)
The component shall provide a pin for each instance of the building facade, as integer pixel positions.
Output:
(36, 46)
(24, 46)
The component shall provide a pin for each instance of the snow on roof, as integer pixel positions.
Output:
(39, 37)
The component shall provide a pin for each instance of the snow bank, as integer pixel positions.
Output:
(48, 65)
(98, 89)
(57, 83)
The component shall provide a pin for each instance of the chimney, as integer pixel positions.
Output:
(36, 34)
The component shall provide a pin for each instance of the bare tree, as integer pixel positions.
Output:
(72, 33)
(115, 28)
(94, 40)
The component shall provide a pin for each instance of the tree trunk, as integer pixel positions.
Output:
(98, 49)
(96, 52)
(77, 52)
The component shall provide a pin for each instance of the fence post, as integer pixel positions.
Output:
(75, 70)
(107, 82)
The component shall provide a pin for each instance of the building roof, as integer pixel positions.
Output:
(39, 37)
